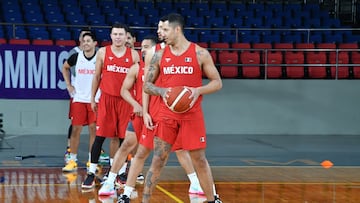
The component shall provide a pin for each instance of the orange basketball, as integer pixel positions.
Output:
(178, 99)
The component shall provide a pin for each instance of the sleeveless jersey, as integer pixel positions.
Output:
(138, 86)
(114, 71)
(85, 69)
(183, 70)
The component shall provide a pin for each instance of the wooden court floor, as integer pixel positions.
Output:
(234, 184)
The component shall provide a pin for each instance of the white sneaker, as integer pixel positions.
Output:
(107, 189)
(196, 189)
(197, 198)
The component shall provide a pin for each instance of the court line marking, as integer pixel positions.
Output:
(169, 194)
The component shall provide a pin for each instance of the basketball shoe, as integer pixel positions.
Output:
(89, 182)
(107, 199)
(194, 198)
(196, 189)
(107, 189)
(120, 181)
(123, 199)
(71, 166)
(140, 179)
(217, 199)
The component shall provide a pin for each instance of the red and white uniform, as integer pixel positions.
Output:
(113, 111)
(187, 129)
(82, 113)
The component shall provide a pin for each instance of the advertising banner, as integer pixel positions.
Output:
(32, 72)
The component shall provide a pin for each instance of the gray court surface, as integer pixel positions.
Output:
(223, 150)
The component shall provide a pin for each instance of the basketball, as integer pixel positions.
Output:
(178, 99)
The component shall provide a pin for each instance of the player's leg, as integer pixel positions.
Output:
(203, 170)
(74, 145)
(137, 165)
(126, 147)
(89, 181)
(79, 118)
(162, 150)
(185, 161)
(92, 135)
(67, 152)
(193, 134)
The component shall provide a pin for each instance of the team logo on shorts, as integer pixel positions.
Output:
(202, 139)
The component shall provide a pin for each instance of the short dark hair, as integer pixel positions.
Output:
(152, 38)
(176, 19)
(92, 35)
(132, 32)
(120, 25)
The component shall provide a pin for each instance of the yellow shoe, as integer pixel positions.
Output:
(70, 166)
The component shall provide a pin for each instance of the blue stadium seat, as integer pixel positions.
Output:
(134, 20)
(350, 38)
(293, 38)
(275, 8)
(316, 38)
(237, 8)
(250, 39)
(335, 38)
(330, 22)
(218, 5)
(18, 33)
(271, 39)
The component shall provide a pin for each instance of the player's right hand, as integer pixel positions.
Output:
(94, 106)
(148, 121)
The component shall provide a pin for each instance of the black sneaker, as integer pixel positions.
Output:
(217, 199)
(122, 177)
(123, 199)
(89, 181)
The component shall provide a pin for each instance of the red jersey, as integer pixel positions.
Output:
(183, 70)
(114, 71)
(138, 86)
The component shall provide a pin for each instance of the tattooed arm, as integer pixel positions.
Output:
(152, 71)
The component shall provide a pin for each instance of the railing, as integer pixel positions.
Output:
(236, 31)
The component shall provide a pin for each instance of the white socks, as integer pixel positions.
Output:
(193, 178)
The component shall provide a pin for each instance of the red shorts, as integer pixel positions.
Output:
(113, 116)
(136, 125)
(82, 114)
(183, 134)
(70, 108)
(147, 138)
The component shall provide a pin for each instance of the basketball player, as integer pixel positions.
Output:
(146, 140)
(188, 128)
(112, 64)
(80, 88)
(133, 81)
(74, 50)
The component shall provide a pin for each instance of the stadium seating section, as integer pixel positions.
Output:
(245, 40)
